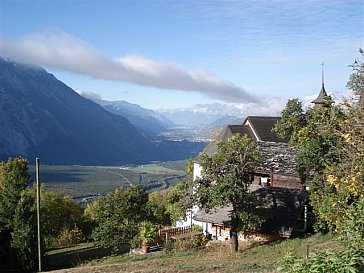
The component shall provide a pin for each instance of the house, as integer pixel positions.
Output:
(275, 182)
(278, 167)
(285, 212)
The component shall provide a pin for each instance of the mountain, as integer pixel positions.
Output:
(190, 118)
(42, 117)
(205, 131)
(147, 121)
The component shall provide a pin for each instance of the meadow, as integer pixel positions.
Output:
(80, 181)
(252, 257)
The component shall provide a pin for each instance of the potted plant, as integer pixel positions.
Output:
(147, 234)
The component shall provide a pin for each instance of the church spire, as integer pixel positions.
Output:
(322, 95)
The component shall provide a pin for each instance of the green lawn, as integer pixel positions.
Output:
(214, 258)
(156, 169)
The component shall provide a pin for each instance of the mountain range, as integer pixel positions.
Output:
(191, 118)
(42, 117)
(205, 131)
(147, 121)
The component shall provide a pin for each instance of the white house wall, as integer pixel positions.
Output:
(196, 171)
(206, 227)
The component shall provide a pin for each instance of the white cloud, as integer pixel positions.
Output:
(338, 97)
(59, 50)
(88, 94)
(273, 107)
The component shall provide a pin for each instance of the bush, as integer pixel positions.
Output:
(135, 242)
(348, 261)
(191, 243)
(197, 228)
(118, 216)
(70, 237)
(168, 246)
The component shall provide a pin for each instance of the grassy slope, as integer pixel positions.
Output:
(215, 258)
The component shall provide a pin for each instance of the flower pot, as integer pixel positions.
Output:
(145, 249)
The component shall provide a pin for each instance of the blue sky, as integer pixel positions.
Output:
(176, 54)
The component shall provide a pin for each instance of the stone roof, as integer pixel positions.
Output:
(277, 157)
(258, 128)
(283, 208)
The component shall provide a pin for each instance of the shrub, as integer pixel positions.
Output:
(191, 243)
(348, 261)
(168, 246)
(197, 228)
(70, 237)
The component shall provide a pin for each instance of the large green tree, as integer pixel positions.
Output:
(330, 159)
(58, 213)
(16, 215)
(314, 133)
(158, 209)
(225, 180)
(24, 235)
(118, 216)
(293, 119)
(347, 177)
(14, 179)
(178, 199)
(339, 197)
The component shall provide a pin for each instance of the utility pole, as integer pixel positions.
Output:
(38, 215)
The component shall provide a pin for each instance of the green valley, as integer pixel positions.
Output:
(79, 181)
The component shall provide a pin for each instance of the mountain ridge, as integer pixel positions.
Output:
(43, 117)
(147, 121)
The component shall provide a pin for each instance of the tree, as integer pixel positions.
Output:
(293, 119)
(339, 197)
(225, 180)
(14, 179)
(178, 200)
(24, 235)
(118, 216)
(347, 177)
(314, 133)
(158, 209)
(331, 154)
(14, 205)
(352, 136)
(58, 213)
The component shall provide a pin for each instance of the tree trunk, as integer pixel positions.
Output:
(234, 244)
(234, 241)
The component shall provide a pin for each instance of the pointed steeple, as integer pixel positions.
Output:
(322, 95)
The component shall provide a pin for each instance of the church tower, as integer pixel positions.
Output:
(322, 95)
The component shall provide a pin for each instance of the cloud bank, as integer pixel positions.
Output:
(273, 108)
(59, 50)
(88, 94)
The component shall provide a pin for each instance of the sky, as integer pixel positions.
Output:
(243, 55)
